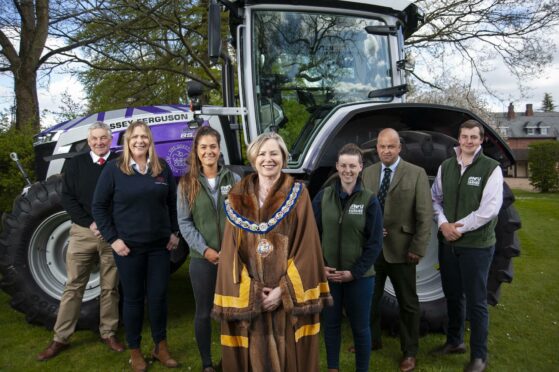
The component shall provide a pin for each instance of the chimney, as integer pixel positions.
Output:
(510, 114)
(529, 110)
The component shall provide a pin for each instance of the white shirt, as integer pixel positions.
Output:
(392, 168)
(96, 158)
(135, 166)
(489, 206)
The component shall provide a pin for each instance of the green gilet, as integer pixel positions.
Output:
(208, 217)
(343, 230)
(462, 195)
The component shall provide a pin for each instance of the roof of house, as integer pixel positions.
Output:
(537, 125)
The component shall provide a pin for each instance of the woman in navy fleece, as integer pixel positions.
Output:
(134, 207)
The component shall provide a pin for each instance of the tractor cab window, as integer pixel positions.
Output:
(306, 64)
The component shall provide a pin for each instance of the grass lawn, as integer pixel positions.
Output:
(524, 334)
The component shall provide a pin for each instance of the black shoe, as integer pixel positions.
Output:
(449, 349)
(476, 365)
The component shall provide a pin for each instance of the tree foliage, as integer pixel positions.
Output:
(547, 103)
(475, 34)
(457, 95)
(155, 47)
(543, 160)
(11, 182)
(25, 27)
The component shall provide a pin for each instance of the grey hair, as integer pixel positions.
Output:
(100, 125)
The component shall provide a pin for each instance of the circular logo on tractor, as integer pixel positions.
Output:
(176, 158)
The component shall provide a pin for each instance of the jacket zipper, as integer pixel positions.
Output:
(340, 220)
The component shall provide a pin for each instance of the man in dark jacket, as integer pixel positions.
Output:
(86, 247)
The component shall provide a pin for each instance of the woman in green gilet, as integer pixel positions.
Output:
(201, 193)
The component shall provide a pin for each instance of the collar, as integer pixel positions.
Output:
(135, 166)
(95, 157)
(459, 152)
(392, 167)
(342, 194)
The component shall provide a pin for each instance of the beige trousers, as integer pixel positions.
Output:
(84, 251)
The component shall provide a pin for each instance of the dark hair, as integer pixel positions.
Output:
(189, 184)
(351, 149)
(470, 124)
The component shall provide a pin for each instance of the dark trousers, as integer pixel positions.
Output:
(202, 277)
(355, 297)
(402, 276)
(144, 273)
(464, 273)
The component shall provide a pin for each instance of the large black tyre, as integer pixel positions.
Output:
(33, 246)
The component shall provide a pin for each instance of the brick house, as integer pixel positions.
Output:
(522, 129)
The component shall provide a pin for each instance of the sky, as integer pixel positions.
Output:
(499, 80)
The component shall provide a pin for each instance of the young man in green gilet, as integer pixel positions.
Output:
(467, 196)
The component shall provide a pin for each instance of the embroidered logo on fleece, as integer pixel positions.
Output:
(225, 190)
(160, 181)
(474, 181)
(356, 209)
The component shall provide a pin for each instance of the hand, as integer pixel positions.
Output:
(120, 248)
(329, 271)
(271, 298)
(384, 232)
(173, 242)
(211, 255)
(341, 276)
(413, 258)
(95, 231)
(450, 231)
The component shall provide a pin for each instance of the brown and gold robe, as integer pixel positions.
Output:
(264, 248)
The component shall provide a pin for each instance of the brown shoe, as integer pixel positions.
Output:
(476, 365)
(137, 361)
(52, 350)
(161, 353)
(449, 349)
(407, 364)
(113, 343)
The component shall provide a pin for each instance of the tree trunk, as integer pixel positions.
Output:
(27, 106)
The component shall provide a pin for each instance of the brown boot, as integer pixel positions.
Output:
(137, 361)
(161, 353)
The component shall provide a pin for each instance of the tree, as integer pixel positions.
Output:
(547, 103)
(458, 95)
(68, 109)
(462, 38)
(543, 159)
(146, 61)
(31, 23)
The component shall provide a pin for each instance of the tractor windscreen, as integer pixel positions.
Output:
(305, 64)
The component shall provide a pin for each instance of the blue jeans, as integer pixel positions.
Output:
(144, 272)
(464, 273)
(355, 297)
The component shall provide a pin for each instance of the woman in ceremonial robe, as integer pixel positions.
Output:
(271, 284)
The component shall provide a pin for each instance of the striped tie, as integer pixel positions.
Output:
(384, 187)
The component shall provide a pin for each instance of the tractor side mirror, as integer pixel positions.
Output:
(214, 31)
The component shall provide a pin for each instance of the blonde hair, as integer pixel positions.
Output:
(189, 184)
(126, 156)
(254, 148)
